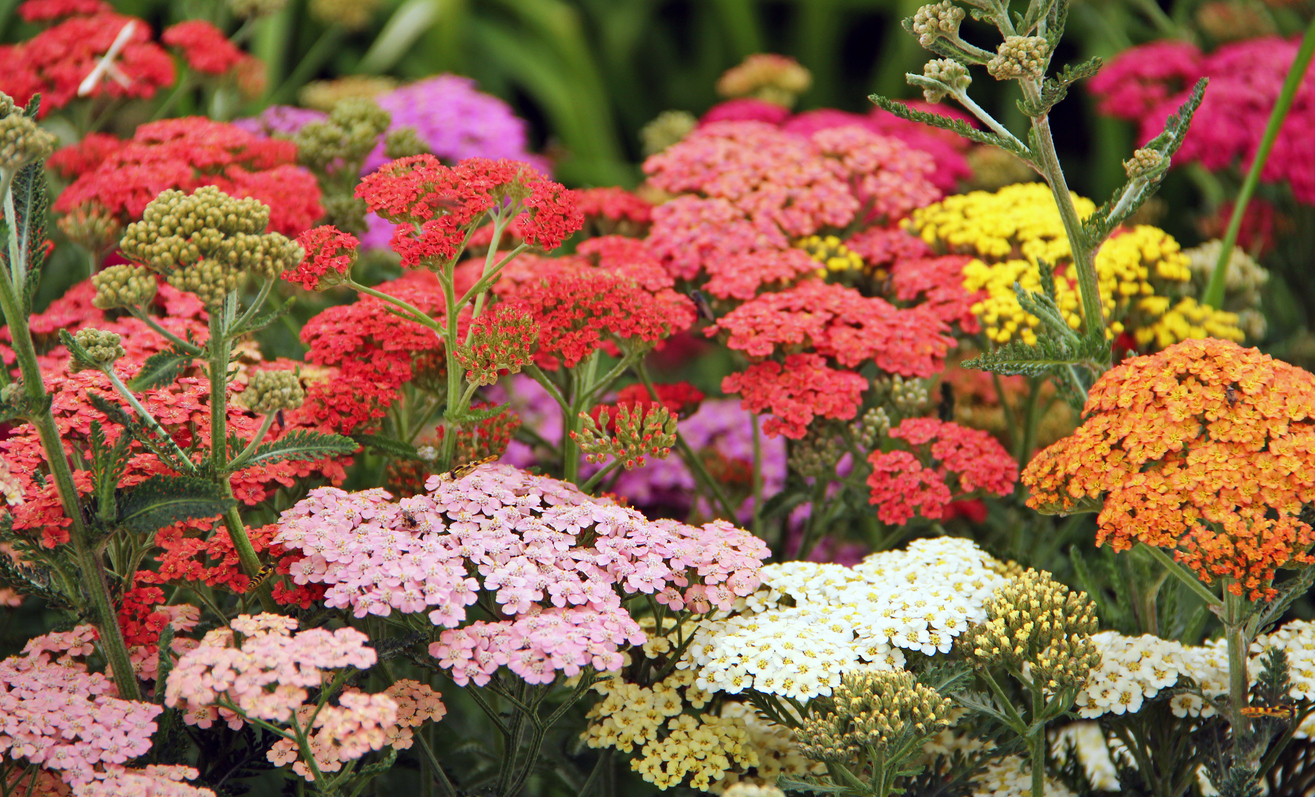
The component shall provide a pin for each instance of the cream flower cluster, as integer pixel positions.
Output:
(1135, 669)
(810, 623)
(1012, 777)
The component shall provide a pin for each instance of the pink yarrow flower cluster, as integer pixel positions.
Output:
(753, 187)
(554, 561)
(58, 715)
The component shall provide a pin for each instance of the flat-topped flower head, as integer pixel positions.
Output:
(1206, 449)
(555, 562)
(435, 207)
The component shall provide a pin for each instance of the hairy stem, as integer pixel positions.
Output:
(88, 558)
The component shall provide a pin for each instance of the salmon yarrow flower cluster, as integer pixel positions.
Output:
(554, 562)
(58, 715)
(1206, 449)
(1143, 276)
(811, 623)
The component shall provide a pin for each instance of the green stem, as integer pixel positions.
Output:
(219, 348)
(1037, 746)
(691, 459)
(184, 462)
(1031, 418)
(240, 460)
(594, 480)
(756, 526)
(89, 559)
(604, 761)
(1214, 291)
(1186, 576)
(814, 532)
(1235, 617)
(146, 319)
(413, 313)
(1084, 250)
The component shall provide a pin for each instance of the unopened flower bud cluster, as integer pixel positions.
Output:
(816, 455)
(1142, 163)
(938, 20)
(123, 286)
(1020, 58)
(765, 76)
(207, 241)
(345, 138)
(21, 141)
(668, 128)
(1038, 627)
(948, 71)
(91, 227)
(350, 14)
(404, 142)
(102, 348)
(877, 710)
(871, 427)
(650, 431)
(271, 391)
(907, 397)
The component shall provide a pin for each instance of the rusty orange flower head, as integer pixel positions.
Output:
(1207, 449)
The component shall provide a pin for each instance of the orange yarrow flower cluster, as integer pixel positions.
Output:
(1206, 449)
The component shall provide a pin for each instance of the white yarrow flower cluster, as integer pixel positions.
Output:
(1297, 640)
(1135, 669)
(1012, 777)
(810, 623)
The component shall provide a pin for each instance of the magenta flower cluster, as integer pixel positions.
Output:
(1147, 83)
(548, 565)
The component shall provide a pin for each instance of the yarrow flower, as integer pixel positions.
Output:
(186, 154)
(950, 463)
(56, 61)
(1204, 449)
(434, 207)
(204, 47)
(811, 623)
(1148, 83)
(796, 391)
(1142, 273)
(330, 255)
(555, 562)
(769, 77)
(56, 714)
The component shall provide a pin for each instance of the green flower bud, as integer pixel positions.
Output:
(873, 426)
(1020, 58)
(123, 286)
(345, 212)
(271, 391)
(1142, 163)
(668, 128)
(91, 227)
(935, 21)
(102, 349)
(251, 9)
(404, 142)
(22, 142)
(949, 72)
(350, 14)
(877, 710)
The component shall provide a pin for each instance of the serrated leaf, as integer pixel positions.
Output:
(159, 370)
(946, 123)
(139, 432)
(387, 446)
(30, 210)
(162, 501)
(165, 662)
(1043, 358)
(300, 446)
(261, 321)
(475, 416)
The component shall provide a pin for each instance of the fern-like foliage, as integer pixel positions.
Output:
(1047, 357)
(297, 446)
(946, 123)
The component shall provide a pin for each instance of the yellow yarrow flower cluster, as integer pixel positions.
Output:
(681, 738)
(835, 257)
(1143, 275)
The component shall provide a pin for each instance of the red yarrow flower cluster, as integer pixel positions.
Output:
(436, 207)
(580, 307)
(802, 388)
(502, 341)
(55, 62)
(330, 255)
(948, 463)
(613, 210)
(51, 10)
(188, 153)
(204, 47)
(839, 322)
